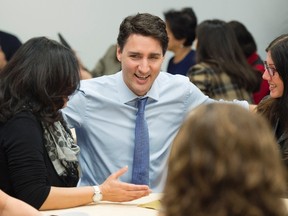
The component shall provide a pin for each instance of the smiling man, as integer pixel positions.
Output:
(104, 111)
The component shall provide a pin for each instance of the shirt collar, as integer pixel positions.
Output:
(126, 95)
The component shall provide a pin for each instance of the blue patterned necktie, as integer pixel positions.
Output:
(140, 172)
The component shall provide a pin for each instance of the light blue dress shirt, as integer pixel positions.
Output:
(103, 114)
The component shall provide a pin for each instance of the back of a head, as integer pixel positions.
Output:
(144, 24)
(224, 161)
(215, 40)
(182, 24)
(41, 74)
(217, 45)
(244, 37)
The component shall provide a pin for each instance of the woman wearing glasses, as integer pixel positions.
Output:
(275, 106)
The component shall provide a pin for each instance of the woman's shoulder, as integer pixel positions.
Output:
(165, 77)
(23, 115)
(22, 130)
(24, 120)
(200, 68)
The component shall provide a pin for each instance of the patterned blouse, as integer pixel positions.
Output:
(216, 85)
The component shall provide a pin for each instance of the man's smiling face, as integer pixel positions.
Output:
(141, 60)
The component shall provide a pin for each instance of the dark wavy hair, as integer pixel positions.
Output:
(143, 24)
(218, 47)
(276, 108)
(40, 77)
(224, 162)
(182, 24)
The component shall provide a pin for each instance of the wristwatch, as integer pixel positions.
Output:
(97, 197)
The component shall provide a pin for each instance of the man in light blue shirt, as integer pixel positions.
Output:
(103, 112)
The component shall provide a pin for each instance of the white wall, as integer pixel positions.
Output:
(90, 26)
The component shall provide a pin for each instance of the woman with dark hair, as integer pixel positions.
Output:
(38, 158)
(181, 27)
(222, 71)
(275, 106)
(233, 171)
(249, 47)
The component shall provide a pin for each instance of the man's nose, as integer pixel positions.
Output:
(144, 66)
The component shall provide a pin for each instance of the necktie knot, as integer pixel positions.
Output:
(142, 104)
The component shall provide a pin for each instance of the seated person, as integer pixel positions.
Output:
(224, 161)
(180, 26)
(38, 156)
(103, 112)
(274, 107)
(222, 71)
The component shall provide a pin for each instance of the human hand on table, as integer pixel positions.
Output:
(114, 190)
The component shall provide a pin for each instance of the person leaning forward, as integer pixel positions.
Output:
(103, 111)
(38, 157)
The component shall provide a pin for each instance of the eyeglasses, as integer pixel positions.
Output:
(270, 70)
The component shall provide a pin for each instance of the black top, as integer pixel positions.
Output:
(9, 44)
(27, 172)
(282, 139)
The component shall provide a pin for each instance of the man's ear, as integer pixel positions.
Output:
(118, 53)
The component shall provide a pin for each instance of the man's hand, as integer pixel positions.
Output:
(114, 190)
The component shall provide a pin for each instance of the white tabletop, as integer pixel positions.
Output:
(110, 209)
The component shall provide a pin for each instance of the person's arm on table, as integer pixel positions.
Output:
(112, 190)
(9, 206)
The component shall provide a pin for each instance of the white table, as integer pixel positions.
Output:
(110, 209)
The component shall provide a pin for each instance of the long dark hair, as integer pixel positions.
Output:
(217, 46)
(276, 108)
(40, 77)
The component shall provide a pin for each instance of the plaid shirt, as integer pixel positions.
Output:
(216, 85)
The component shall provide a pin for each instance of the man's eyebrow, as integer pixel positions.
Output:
(155, 54)
(138, 53)
(132, 52)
